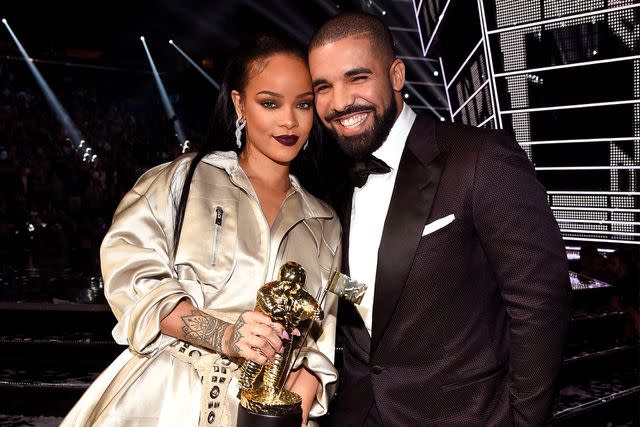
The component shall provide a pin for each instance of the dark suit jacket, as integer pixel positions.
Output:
(469, 321)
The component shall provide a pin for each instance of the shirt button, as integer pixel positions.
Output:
(377, 369)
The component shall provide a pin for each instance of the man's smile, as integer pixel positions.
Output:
(352, 124)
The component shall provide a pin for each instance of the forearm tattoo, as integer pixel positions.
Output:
(236, 336)
(204, 330)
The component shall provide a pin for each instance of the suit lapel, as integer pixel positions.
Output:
(413, 195)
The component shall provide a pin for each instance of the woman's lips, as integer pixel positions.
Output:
(287, 140)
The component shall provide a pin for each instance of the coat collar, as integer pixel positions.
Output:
(299, 204)
(228, 161)
(422, 139)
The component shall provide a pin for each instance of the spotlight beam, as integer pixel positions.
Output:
(404, 46)
(171, 114)
(195, 65)
(301, 33)
(63, 117)
(329, 6)
(424, 101)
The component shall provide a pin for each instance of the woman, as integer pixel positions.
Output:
(194, 240)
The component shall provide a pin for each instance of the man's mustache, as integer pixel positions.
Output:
(351, 109)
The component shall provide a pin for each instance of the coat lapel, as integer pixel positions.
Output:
(413, 195)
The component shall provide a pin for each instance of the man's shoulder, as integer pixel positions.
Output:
(460, 137)
(458, 145)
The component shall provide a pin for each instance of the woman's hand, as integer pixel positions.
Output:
(254, 337)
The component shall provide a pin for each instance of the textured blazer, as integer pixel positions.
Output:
(472, 291)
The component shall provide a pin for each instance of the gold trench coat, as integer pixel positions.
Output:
(218, 267)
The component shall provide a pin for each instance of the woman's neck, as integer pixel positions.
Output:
(264, 172)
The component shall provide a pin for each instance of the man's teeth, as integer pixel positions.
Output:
(353, 120)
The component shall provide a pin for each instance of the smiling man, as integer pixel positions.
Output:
(467, 308)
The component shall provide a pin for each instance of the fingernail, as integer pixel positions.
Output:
(285, 335)
(296, 332)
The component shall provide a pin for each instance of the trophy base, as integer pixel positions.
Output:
(247, 418)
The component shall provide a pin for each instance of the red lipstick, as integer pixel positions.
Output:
(288, 140)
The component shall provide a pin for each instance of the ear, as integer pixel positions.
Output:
(237, 102)
(397, 74)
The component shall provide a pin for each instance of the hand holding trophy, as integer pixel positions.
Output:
(285, 301)
(263, 399)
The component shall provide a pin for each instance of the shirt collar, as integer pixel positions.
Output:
(391, 150)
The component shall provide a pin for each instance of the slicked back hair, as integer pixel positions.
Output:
(359, 25)
(248, 60)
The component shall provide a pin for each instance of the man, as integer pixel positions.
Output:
(465, 317)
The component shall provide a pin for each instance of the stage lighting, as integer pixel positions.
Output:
(207, 62)
(4, 21)
(164, 97)
(406, 96)
(436, 73)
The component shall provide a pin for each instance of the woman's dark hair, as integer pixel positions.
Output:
(248, 59)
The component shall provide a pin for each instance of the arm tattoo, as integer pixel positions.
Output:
(204, 330)
(235, 338)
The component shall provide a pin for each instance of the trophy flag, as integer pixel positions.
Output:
(347, 288)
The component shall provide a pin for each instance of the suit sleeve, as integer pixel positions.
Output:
(524, 247)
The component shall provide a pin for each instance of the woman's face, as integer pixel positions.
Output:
(278, 105)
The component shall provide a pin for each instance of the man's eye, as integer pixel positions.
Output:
(322, 88)
(269, 104)
(358, 78)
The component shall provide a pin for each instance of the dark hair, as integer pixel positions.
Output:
(248, 59)
(356, 24)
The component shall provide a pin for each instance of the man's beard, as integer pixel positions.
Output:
(364, 144)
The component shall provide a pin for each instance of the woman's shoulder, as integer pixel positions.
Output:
(165, 174)
(172, 174)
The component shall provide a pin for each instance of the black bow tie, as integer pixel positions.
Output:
(361, 170)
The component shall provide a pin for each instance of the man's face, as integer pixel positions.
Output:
(355, 93)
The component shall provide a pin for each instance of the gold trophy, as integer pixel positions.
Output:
(263, 399)
(268, 404)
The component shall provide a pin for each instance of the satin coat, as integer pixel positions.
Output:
(217, 268)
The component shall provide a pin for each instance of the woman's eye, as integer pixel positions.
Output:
(269, 104)
(305, 105)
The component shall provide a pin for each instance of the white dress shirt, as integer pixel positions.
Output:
(369, 208)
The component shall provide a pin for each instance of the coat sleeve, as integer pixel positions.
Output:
(524, 247)
(140, 284)
(318, 354)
